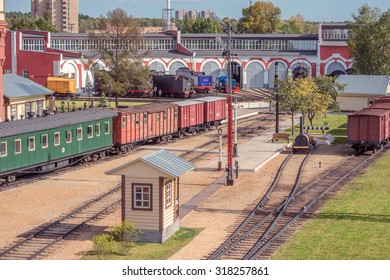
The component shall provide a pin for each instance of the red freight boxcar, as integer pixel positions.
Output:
(214, 110)
(191, 116)
(149, 122)
(368, 129)
(383, 99)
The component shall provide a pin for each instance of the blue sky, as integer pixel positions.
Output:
(313, 10)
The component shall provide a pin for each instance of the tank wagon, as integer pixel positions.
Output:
(49, 142)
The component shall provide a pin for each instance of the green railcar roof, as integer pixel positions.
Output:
(11, 128)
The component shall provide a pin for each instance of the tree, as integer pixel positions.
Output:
(289, 97)
(121, 54)
(199, 25)
(261, 17)
(369, 41)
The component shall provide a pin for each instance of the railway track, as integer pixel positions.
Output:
(266, 213)
(251, 122)
(46, 237)
(270, 223)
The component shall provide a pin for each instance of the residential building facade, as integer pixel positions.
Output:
(64, 13)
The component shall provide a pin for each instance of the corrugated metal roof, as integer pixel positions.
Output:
(209, 98)
(168, 163)
(54, 121)
(365, 84)
(162, 160)
(17, 86)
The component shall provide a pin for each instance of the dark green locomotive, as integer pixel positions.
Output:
(53, 141)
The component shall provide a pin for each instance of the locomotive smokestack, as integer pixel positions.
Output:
(301, 125)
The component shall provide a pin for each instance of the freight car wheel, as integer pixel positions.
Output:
(206, 127)
(129, 148)
(102, 155)
(181, 134)
(11, 178)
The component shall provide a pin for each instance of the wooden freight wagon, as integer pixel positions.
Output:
(149, 122)
(42, 144)
(191, 117)
(214, 110)
(383, 99)
(368, 129)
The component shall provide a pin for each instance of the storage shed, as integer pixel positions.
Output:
(361, 90)
(150, 193)
(22, 96)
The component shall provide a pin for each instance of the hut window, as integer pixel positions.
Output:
(3, 149)
(142, 197)
(168, 194)
(124, 121)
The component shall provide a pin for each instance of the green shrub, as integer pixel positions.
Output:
(119, 240)
(126, 231)
(103, 243)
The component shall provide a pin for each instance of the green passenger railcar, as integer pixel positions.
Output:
(53, 141)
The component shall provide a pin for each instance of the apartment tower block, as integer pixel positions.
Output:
(64, 13)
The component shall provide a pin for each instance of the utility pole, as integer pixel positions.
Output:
(276, 91)
(229, 179)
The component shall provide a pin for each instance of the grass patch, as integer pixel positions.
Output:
(355, 225)
(337, 123)
(153, 251)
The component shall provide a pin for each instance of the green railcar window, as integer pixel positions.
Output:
(18, 146)
(79, 134)
(106, 127)
(3, 149)
(97, 129)
(44, 140)
(31, 143)
(90, 131)
(57, 139)
(68, 136)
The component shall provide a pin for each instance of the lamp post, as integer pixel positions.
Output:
(276, 84)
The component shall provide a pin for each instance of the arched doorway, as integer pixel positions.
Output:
(255, 75)
(335, 69)
(282, 73)
(211, 68)
(300, 70)
(236, 73)
(175, 66)
(157, 66)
